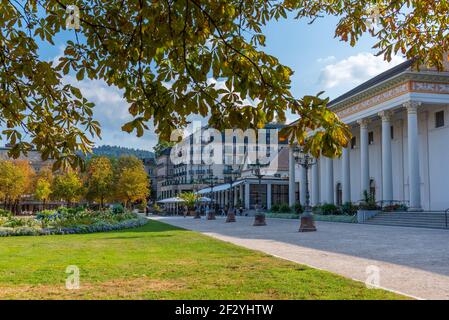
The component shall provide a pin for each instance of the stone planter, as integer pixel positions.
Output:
(259, 220)
(307, 222)
(211, 215)
(231, 216)
(364, 215)
(197, 215)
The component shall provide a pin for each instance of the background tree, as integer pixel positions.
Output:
(67, 186)
(99, 179)
(134, 185)
(27, 170)
(13, 184)
(43, 185)
(140, 46)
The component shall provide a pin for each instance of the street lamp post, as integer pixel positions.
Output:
(259, 217)
(212, 180)
(305, 160)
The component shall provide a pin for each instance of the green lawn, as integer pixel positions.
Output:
(159, 261)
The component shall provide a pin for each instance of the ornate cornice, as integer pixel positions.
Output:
(364, 101)
(363, 123)
(412, 106)
(386, 115)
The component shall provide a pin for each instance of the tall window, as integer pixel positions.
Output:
(297, 195)
(258, 195)
(353, 142)
(372, 188)
(439, 119)
(392, 132)
(370, 137)
(279, 193)
(339, 194)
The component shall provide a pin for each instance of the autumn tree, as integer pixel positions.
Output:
(43, 185)
(131, 180)
(67, 186)
(99, 179)
(27, 170)
(13, 183)
(167, 56)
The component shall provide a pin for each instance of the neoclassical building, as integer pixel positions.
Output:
(400, 146)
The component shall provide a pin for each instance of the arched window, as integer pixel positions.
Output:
(372, 188)
(339, 196)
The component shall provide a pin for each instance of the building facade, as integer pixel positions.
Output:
(229, 182)
(399, 151)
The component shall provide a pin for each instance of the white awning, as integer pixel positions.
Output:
(220, 187)
(171, 200)
(204, 199)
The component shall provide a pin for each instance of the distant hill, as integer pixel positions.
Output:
(116, 151)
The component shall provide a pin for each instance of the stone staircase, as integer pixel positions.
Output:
(433, 219)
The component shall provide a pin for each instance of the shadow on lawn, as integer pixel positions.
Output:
(153, 226)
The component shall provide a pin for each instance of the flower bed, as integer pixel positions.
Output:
(68, 221)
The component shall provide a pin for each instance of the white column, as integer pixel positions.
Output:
(302, 186)
(345, 176)
(247, 195)
(268, 196)
(241, 194)
(364, 156)
(387, 166)
(413, 156)
(235, 195)
(226, 197)
(329, 180)
(315, 184)
(291, 177)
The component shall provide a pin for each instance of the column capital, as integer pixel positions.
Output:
(386, 115)
(363, 123)
(412, 106)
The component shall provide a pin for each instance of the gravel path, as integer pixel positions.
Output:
(412, 261)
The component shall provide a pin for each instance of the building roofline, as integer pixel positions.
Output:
(386, 75)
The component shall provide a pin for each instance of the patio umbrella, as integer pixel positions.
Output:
(204, 199)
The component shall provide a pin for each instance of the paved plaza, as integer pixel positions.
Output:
(412, 261)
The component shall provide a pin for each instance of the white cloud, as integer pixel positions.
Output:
(354, 70)
(111, 110)
(326, 59)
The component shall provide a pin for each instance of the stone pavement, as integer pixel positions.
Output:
(411, 261)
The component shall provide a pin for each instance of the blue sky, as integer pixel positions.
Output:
(320, 63)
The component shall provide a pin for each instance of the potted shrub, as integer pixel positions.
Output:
(190, 199)
(210, 211)
(259, 217)
(367, 208)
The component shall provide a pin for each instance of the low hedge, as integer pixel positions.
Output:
(335, 218)
(282, 215)
(76, 229)
(318, 217)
